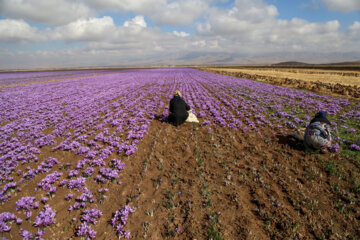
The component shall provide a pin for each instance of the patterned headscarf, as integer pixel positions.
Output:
(177, 93)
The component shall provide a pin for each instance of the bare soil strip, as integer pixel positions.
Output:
(328, 82)
(329, 76)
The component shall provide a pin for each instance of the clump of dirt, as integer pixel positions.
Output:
(315, 86)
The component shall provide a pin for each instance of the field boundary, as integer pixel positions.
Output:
(314, 86)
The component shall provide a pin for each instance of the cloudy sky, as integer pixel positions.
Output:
(78, 33)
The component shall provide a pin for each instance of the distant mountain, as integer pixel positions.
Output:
(290, 63)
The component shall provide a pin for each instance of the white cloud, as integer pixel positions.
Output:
(91, 29)
(161, 12)
(353, 33)
(137, 21)
(179, 12)
(304, 28)
(181, 34)
(243, 17)
(343, 5)
(253, 27)
(59, 12)
(18, 31)
(355, 26)
(51, 12)
(200, 43)
(254, 10)
(124, 5)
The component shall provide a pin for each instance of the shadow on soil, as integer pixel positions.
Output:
(290, 141)
(161, 118)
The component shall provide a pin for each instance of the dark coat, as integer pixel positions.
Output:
(178, 111)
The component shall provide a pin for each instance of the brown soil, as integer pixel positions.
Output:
(212, 180)
(345, 84)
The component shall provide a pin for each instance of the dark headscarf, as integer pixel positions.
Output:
(320, 117)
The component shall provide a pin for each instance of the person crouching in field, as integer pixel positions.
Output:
(318, 133)
(178, 109)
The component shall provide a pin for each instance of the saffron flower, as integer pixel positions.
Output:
(46, 217)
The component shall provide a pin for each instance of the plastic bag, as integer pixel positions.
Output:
(191, 117)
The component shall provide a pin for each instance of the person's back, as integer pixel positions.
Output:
(318, 134)
(178, 110)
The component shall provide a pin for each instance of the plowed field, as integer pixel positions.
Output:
(341, 83)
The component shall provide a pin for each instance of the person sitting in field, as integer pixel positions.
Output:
(178, 109)
(318, 133)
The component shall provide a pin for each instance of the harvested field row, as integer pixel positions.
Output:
(297, 70)
(324, 83)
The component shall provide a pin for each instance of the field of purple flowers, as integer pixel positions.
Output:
(63, 143)
(17, 78)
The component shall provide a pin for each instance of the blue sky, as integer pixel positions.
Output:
(313, 11)
(54, 33)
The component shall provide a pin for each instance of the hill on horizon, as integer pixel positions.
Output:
(290, 63)
(295, 63)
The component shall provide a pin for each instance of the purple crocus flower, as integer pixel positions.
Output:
(88, 172)
(5, 218)
(46, 217)
(85, 230)
(120, 219)
(109, 173)
(51, 178)
(118, 164)
(334, 148)
(77, 184)
(90, 215)
(25, 234)
(27, 204)
(355, 147)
